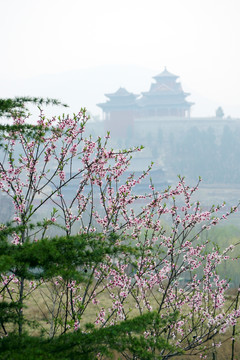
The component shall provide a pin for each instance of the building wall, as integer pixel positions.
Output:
(120, 123)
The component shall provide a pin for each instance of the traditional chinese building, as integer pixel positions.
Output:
(176, 142)
(119, 112)
(165, 98)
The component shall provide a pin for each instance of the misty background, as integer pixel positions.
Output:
(77, 51)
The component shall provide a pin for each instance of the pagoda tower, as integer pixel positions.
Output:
(119, 112)
(165, 98)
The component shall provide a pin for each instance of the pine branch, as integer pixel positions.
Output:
(17, 106)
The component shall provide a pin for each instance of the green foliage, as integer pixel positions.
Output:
(8, 312)
(17, 106)
(71, 257)
(64, 256)
(124, 337)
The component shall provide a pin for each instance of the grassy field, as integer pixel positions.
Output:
(40, 308)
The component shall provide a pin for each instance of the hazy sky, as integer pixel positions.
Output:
(199, 40)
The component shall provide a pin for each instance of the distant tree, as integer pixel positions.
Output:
(219, 112)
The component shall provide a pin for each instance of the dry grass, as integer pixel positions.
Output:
(40, 308)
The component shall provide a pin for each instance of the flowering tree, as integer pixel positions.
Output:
(127, 272)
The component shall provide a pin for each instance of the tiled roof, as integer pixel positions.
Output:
(165, 74)
(120, 93)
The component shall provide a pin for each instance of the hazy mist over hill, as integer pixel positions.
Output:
(77, 50)
(86, 88)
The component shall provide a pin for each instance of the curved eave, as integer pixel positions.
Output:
(108, 106)
(121, 93)
(101, 105)
(161, 77)
(166, 74)
(159, 94)
(115, 96)
(164, 105)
